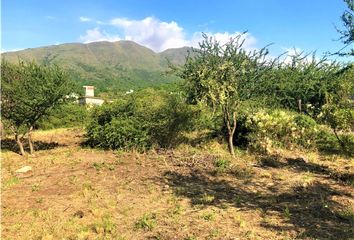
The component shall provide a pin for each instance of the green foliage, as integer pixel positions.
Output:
(28, 92)
(67, 115)
(302, 83)
(271, 128)
(140, 121)
(222, 76)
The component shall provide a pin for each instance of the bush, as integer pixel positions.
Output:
(68, 115)
(140, 121)
(280, 128)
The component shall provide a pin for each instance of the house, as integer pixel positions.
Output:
(89, 98)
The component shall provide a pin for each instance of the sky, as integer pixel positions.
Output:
(289, 25)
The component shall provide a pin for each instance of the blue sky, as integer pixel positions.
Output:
(306, 25)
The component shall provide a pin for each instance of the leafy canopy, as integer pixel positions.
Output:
(30, 90)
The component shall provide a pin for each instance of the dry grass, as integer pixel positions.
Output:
(81, 193)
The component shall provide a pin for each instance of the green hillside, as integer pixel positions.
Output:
(110, 66)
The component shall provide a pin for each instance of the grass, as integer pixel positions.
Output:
(105, 194)
(146, 222)
(10, 182)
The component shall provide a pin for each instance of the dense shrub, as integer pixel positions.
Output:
(274, 128)
(140, 121)
(68, 115)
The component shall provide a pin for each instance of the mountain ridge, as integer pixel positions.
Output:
(110, 66)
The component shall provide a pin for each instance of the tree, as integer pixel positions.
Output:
(222, 76)
(347, 34)
(301, 83)
(28, 92)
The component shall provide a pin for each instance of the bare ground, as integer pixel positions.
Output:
(75, 192)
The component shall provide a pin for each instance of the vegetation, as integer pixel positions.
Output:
(168, 174)
(140, 120)
(28, 92)
(190, 191)
(64, 116)
(347, 32)
(112, 68)
(222, 76)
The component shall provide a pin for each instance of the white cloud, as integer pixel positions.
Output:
(10, 50)
(152, 32)
(96, 35)
(159, 35)
(85, 19)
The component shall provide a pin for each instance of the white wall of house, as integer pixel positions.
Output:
(91, 101)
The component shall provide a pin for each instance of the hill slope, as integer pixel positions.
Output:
(110, 66)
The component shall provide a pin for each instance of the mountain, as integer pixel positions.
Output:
(110, 66)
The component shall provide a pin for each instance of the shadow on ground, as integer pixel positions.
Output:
(299, 164)
(11, 145)
(308, 211)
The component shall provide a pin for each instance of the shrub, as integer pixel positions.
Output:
(68, 115)
(274, 128)
(140, 121)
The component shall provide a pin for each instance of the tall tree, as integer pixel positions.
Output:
(28, 92)
(222, 76)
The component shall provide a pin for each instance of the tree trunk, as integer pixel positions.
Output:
(299, 105)
(231, 145)
(30, 143)
(20, 145)
(231, 128)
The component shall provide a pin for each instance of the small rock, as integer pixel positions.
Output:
(24, 169)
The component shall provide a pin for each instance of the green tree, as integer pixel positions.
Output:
(301, 83)
(28, 92)
(222, 76)
(347, 34)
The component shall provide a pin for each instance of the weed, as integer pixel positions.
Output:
(98, 166)
(239, 220)
(208, 216)
(39, 200)
(104, 226)
(72, 179)
(176, 210)
(206, 199)
(35, 187)
(214, 233)
(222, 165)
(237, 200)
(87, 186)
(11, 182)
(111, 167)
(147, 222)
(287, 213)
